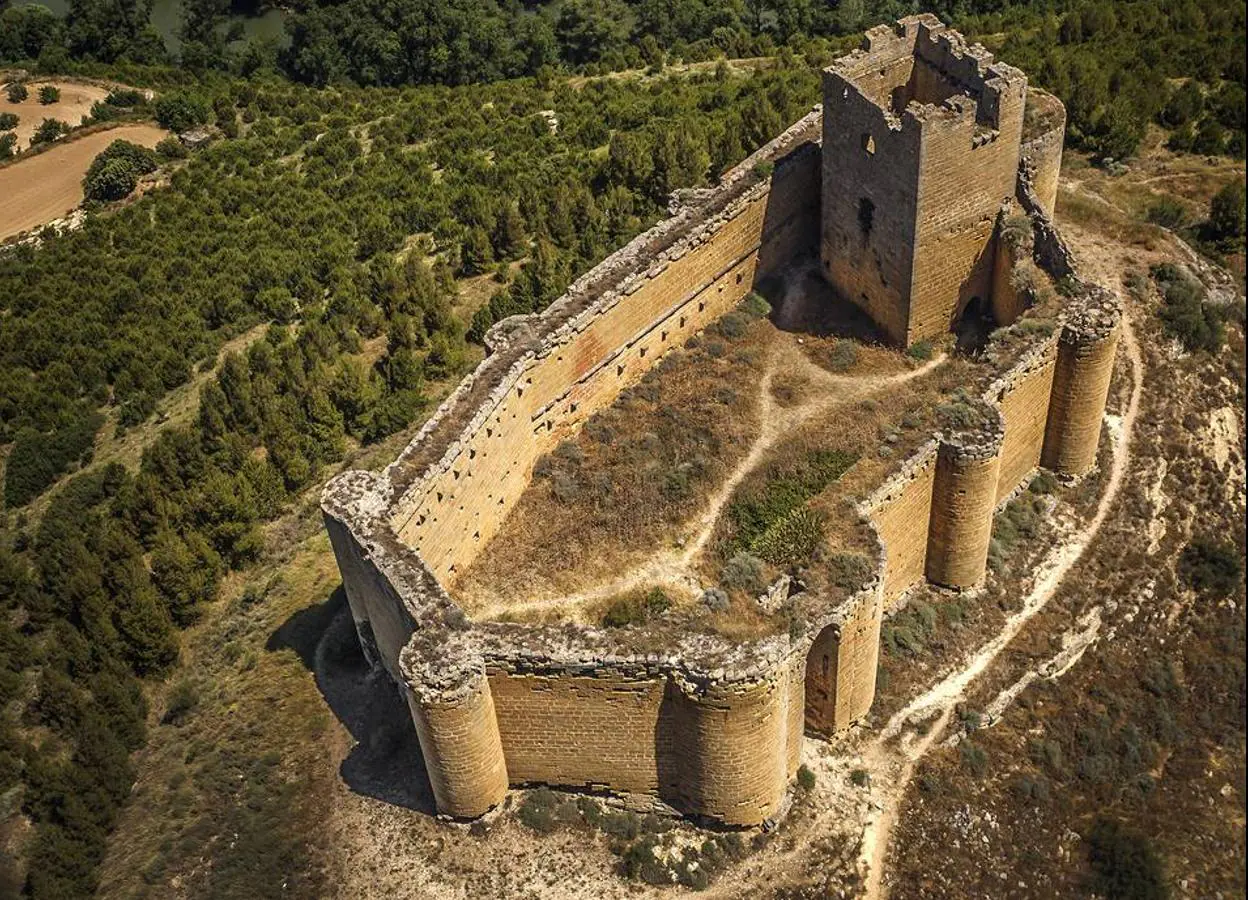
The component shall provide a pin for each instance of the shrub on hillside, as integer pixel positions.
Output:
(744, 572)
(842, 356)
(1226, 213)
(113, 180)
(636, 608)
(101, 112)
(115, 172)
(38, 459)
(1167, 212)
(49, 130)
(1211, 568)
(171, 148)
(124, 97)
(1125, 866)
(921, 349)
(49, 94)
(8, 121)
(17, 92)
(182, 112)
(543, 810)
(8, 145)
(758, 511)
(1184, 312)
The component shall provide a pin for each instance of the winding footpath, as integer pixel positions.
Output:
(675, 569)
(892, 762)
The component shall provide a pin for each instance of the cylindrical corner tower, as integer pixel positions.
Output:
(1085, 363)
(733, 749)
(964, 496)
(1044, 130)
(462, 749)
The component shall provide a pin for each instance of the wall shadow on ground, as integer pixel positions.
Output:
(803, 302)
(385, 763)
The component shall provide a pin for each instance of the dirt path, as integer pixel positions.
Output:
(675, 569)
(46, 186)
(895, 765)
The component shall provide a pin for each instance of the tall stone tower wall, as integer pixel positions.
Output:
(921, 135)
(1085, 363)
(964, 497)
(462, 748)
(1044, 131)
(868, 161)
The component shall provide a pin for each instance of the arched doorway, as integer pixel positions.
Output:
(821, 678)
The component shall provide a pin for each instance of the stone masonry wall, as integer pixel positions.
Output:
(459, 739)
(1044, 132)
(1053, 396)
(901, 510)
(964, 496)
(968, 168)
(870, 166)
(1023, 399)
(585, 731)
(450, 517)
(1085, 364)
(921, 148)
(1008, 303)
(711, 727)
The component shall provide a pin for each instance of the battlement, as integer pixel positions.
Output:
(678, 715)
(924, 132)
(920, 71)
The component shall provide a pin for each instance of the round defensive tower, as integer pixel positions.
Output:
(1044, 131)
(733, 747)
(461, 745)
(1085, 364)
(964, 497)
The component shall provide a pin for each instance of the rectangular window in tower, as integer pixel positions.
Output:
(866, 215)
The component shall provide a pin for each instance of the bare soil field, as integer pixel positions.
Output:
(76, 101)
(48, 185)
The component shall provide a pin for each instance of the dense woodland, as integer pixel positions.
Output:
(293, 228)
(337, 218)
(1116, 65)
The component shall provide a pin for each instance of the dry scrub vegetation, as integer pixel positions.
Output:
(1124, 777)
(805, 489)
(738, 459)
(636, 474)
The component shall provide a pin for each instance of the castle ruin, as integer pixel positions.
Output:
(900, 184)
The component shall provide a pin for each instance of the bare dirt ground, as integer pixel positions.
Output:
(76, 101)
(48, 185)
(678, 569)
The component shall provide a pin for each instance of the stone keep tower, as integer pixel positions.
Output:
(921, 142)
